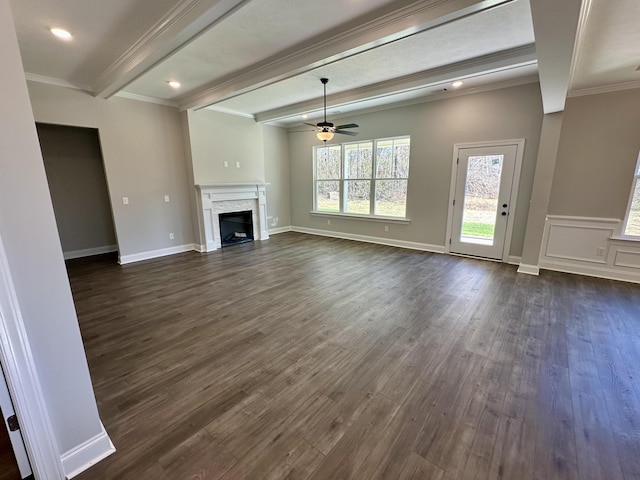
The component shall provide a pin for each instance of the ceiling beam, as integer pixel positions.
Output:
(491, 63)
(555, 25)
(390, 23)
(184, 22)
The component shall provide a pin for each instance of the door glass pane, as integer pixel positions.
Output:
(358, 196)
(481, 199)
(328, 196)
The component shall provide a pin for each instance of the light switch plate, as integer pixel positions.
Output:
(125, 200)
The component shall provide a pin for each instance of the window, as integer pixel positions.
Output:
(632, 220)
(363, 178)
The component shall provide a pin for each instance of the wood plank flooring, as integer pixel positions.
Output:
(305, 357)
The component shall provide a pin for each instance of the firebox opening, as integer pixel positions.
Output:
(236, 227)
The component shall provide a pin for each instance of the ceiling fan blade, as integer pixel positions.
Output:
(350, 125)
(311, 124)
(346, 132)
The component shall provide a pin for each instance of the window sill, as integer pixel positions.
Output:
(366, 218)
(622, 238)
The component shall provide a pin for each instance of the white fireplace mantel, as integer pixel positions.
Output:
(217, 198)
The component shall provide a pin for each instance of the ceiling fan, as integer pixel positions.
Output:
(325, 130)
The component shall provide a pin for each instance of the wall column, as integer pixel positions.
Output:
(541, 192)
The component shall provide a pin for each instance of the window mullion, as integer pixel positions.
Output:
(372, 188)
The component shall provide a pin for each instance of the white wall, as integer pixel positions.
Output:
(597, 155)
(75, 174)
(434, 128)
(144, 158)
(30, 237)
(217, 138)
(276, 160)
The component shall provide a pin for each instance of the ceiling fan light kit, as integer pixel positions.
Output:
(326, 130)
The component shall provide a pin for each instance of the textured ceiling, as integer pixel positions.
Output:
(264, 57)
(453, 42)
(610, 50)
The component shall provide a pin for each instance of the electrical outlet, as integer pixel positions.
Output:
(328, 222)
(237, 164)
(125, 200)
(171, 236)
(166, 198)
(600, 251)
(386, 228)
(226, 164)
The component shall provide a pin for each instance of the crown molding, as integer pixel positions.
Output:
(34, 77)
(216, 108)
(495, 62)
(583, 20)
(387, 24)
(428, 98)
(184, 22)
(144, 98)
(616, 87)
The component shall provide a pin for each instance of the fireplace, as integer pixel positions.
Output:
(236, 227)
(218, 199)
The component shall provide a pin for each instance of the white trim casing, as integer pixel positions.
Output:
(529, 269)
(87, 454)
(88, 252)
(519, 143)
(425, 247)
(162, 252)
(24, 384)
(209, 195)
(587, 246)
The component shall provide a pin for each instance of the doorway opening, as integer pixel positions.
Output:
(79, 190)
(484, 191)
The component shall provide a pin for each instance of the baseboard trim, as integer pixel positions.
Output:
(425, 247)
(87, 454)
(529, 269)
(88, 252)
(163, 252)
(275, 231)
(592, 271)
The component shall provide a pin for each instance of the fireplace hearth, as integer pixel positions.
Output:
(236, 227)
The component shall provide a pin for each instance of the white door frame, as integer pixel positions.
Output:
(24, 384)
(15, 437)
(519, 143)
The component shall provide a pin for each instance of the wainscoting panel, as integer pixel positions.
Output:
(589, 246)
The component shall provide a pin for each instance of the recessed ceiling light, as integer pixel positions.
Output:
(457, 83)
(174, 84)
(304, 116)
(60, 33)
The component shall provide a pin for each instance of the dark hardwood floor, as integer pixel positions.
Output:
(305, 357)
(8, 466)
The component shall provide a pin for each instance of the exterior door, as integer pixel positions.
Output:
(480, 211)
(15, 437)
